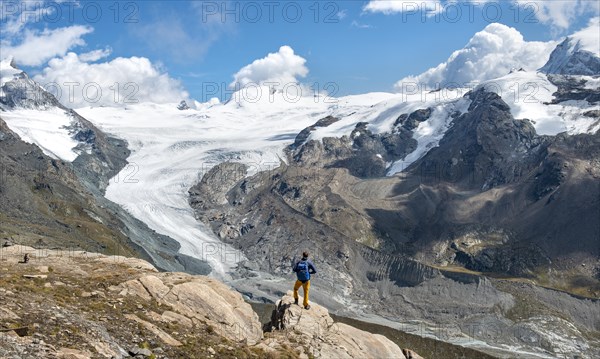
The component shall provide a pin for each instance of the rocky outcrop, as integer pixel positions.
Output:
(315, 329)
(195, 299)
(571, 88)
(365, 154)
(183, 106)
(76, 304)
(304, 135)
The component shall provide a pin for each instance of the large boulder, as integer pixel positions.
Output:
(201, 300)
(324, 338)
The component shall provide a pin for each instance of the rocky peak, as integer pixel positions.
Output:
(571, 58)
(18, 90)
(325, 338)
(485, 147)
(183, 106)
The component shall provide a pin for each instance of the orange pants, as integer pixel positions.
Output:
(305, 287)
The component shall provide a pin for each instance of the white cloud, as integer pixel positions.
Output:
(95, 55)
(342, 14)
(15, 15)
(37, 47)
(560, 13)
(86, 84)
(360, 25)
(403, 6)
(282, 67)
(589, 37)
(490, 53)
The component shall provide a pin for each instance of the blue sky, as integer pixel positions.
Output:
(343, 42)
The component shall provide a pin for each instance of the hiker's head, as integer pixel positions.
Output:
(304, 254)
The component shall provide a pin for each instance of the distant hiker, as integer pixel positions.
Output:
(303, 269)
(26, 258)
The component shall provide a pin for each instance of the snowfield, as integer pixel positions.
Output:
(47, 129)
(529, 95)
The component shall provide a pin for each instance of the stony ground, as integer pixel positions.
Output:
(75, 304)
(70, 305)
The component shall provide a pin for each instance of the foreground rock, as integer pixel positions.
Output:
(76, 304)
(325, 338)
(197, 299)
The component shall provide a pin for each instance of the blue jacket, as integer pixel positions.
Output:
(311, 267)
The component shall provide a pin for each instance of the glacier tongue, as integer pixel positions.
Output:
(172, 149)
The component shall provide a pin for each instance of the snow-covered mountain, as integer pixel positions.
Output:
(36, 115)
(578, 54)
(173, 146)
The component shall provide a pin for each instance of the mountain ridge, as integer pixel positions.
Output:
(401, 197)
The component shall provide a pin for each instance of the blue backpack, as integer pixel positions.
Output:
(302, 271)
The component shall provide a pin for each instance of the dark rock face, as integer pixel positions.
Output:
(363, 153)
(410, 122)
(485, 148)
(183, 106)
(573, 89)
(305, 133)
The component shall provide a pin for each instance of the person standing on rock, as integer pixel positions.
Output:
(303, 269)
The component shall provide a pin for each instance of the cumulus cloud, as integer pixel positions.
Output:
(282, 67)
(490, 53)
(114, 83)
(37, 47)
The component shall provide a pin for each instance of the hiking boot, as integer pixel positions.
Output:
(307, 307)
(296, 301)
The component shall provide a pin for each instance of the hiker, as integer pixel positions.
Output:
(303, 269)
